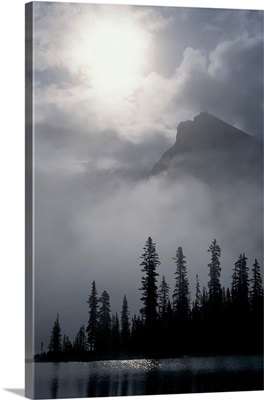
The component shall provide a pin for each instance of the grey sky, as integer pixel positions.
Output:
(95, 147)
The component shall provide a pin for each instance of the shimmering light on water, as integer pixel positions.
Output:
(145, 376)
(128, 365)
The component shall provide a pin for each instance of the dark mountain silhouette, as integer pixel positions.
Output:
(213, 151)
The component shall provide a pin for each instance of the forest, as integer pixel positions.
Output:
(217, 321)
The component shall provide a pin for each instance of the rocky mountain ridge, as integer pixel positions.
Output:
(210, 149)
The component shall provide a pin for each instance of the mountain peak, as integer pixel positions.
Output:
(206, 138)
(207, 131)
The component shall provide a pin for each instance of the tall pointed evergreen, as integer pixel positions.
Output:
(55, 337)
(80, 342)
(197, 306)
(214, 285)
(125, 324)
(149, 283)
(256, 290)
(66, 344)
(181, 294)
(240, 283)
(163, 299)
(93, 317)
(104, 324)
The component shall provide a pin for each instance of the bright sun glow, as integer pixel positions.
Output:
(114, 53)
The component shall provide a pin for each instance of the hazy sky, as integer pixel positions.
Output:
(111, 84)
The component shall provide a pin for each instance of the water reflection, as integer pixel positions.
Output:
(54, 388)
(124, 385)
(92, 386)
(54, 382)
(147, 377)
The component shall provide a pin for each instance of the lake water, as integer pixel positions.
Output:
(140, 377)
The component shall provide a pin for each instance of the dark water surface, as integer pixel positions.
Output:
(139, 377)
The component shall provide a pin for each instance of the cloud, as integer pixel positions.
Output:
(152, 19)
(207, 27)
(227, 82)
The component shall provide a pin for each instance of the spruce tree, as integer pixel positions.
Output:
(55, 337)
(256, 290)
(214, 285)
(93, 317)
(197, 306)
(181, 294)
(240, 284)
(104, 323)
(125, 324)
(80, 342)
(181, 305)
(163, 299)
(66, 344)
(149, 283)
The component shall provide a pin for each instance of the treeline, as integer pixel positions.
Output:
(219, 321)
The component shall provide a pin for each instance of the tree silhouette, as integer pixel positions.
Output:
(214, 285)
(181, 303)
(197, 306)
(181, 295)
(163, 298)
(55, 337)
(104, 323)
(256, 291)
(66, 344)
(240, 283)
(125, 324)
(80, 342)
(149, 283)
(93, 317)
(221, 321)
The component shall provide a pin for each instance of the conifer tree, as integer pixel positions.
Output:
(66, 344)
(256, 291)
(93, 317)
(149, 283)
(240, 283)
(214, 285)
(197, 306)
(79, 344)
(104, 323)
(55, 337)
(181, 294)
(125, 324)
(163, 299)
